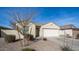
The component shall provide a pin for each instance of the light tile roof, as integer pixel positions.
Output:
(69, 26)
(13, 32)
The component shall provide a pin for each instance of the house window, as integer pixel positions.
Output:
(68, 36)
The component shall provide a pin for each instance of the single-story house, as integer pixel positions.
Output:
(5, 28)
(70, 31)
(52, 30)
(44, 30)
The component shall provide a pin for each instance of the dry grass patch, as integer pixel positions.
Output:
(28, 49)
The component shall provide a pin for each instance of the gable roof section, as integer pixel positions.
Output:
(69, 26)
(51, 25)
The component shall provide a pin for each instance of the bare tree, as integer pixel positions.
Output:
(23, 21)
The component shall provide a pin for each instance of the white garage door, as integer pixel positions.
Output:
(50, 33)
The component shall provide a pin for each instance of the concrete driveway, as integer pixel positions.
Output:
(48, 45)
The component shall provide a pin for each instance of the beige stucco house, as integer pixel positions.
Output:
(45, 30)
(70, 31)
(51, 30)
(32, 28)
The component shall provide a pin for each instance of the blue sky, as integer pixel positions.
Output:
(58, 15)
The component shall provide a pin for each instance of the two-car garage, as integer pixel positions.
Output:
(49, 30)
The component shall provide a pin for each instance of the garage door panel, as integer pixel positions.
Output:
(50, 33)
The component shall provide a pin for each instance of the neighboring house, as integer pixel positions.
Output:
(5, 28)
(70, 31)
(4, 33)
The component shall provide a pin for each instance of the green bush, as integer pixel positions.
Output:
(28, 49)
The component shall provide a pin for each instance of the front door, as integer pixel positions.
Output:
(37, 31)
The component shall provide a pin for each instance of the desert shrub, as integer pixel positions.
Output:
(31, 38)
(66, 49)
(45, 39)
(10, 38)
(28, 49)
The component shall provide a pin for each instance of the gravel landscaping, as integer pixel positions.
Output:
(39, 45)
(51, 44)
